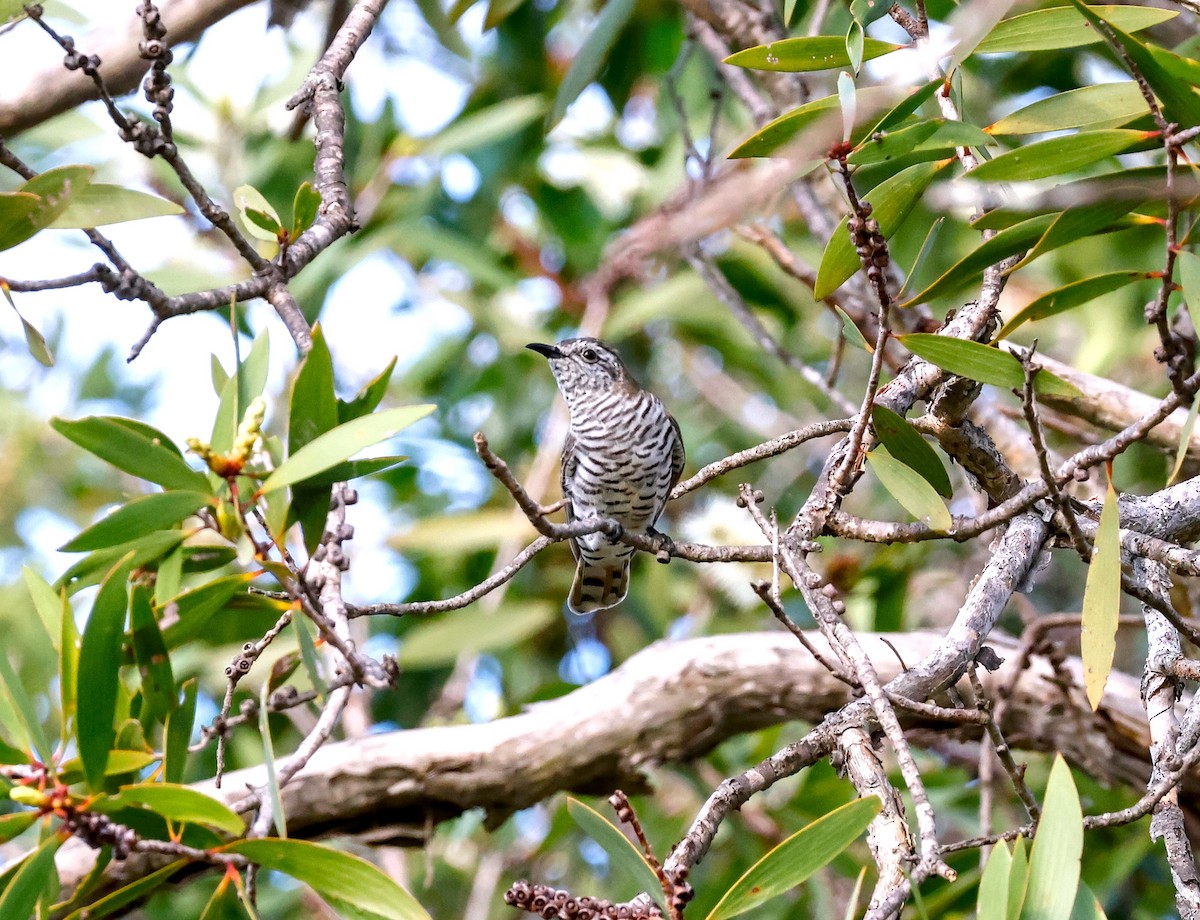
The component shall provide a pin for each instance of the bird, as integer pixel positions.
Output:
(623, 455)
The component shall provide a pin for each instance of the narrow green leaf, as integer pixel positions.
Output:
(867, 11)
(852, 902)
(305, 206)
(591, 56)
(848, 102)
(436, 642)
(46, 601)
(99, 663)
(34, 340)
(910, 489)
(136, 518)
(118, 763)
(98, 205)
(798, 857)
(342, 443)
(1070, 296)
(168, 580)
(1057, 849)
(906, 106)
(992, 902)
(68, 670)
(905, 444)
(128, 894)
(247, 382)
(28, 726)
(852, 333)
(1061, 27)
(1007, 242)
(781, 131)
(983, 363)
(34, 874)
(1172, 78)
(353, 469)
(1185, 441)
(1188, 264)
(247, 199)
(1058, 155)
(928, 246)
(1076, 223)
(264, 730)
(176, 803)
(130, 450)
(150, 652)
(1102, 601)
(801, 55)
(15, 824)
(367, 399)
(92, 568)
(488, 125)
(627, 859)
(934, 135)
(313, 410)
(308, 654)
(335, 874)
(263, 221)
(854, 45)
(1018, 878)
(177, 734)
(1097, 105)
(891, 201)
(218, 373)
(1086, 906)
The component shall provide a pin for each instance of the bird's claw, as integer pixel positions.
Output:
(666, 546)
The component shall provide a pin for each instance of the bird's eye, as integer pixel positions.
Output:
(590, 356)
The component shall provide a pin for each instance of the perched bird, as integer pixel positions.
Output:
(622, 457)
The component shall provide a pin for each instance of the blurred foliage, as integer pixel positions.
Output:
(474, 239)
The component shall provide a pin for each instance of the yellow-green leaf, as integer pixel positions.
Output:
(98, 205)
(626, 857)
(1061, 27)
(1057, 848)
(992, 902)
(799, 55)
(798, 857)
(910, 489)
(1070, 296)
(1102, 601)
(983, 363)
(1058, 155)
(176, 803)
(1100, 104)
(141, 516)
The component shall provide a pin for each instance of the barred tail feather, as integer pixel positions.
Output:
(598, 587)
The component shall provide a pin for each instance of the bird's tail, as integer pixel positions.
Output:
(599, 585)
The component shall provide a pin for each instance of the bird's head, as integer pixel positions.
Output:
(585, 368)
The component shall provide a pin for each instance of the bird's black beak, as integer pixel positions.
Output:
(548, 351)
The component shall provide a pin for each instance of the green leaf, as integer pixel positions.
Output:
(367, 399)
(1057, 849)
(306, 205)
(983, 363)
(252, 207)
(46, 601)
(1018, 877)
(1060, 27)
(177, 734)
(1188, 264)
(1058, 155)
(34, 340)
(196, 607)
(128, 894)
(848, 103)
(246, 383)
(313, 410)
(28, 727)
(782, 130)
(1086, 906)
(1070, 296)
(35, 873)
(1185, 441)
(334, 874)
(935, 136)
(906, 445)
(591, 56)
(891, 201)
(627, 859)
(992, 902)
(142, 551)
(15, 824)
(854, 45)
(137, 518)
(99, 663)
(118, 763)
(1102, 601)
(129, 449)
(801, 55)
(798, 857)
(1172, 78)
(98, 205)
(1007, 242)
(354, 469)
(176, 803)
(1077, 223)
(278, 816)
(852, 333)
(910, 489)
(53, 191)
(342, 443)
(150, 652)
(488, 125)
(1100, 104)
(68, 673)
(439, 641)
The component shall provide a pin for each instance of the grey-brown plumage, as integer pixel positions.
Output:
(622, 457)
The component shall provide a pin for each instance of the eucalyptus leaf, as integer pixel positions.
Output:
(1102, 601)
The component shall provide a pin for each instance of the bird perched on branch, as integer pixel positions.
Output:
(622, 457)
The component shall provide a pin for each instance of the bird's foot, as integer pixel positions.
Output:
(613, 531)
(666, 546)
